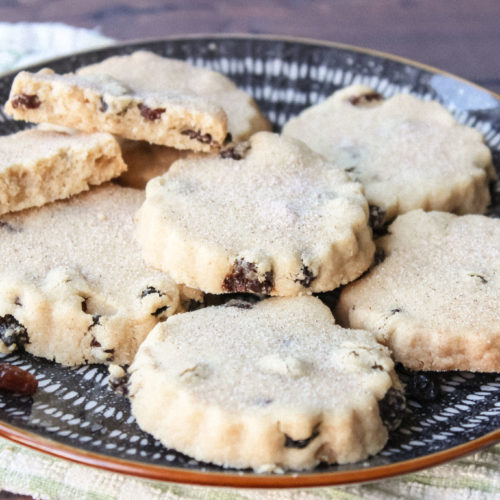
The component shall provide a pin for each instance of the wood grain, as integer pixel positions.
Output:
(460, 36)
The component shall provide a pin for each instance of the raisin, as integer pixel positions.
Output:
(362, 99)
(377, 217)
(159, 311)
(244, 278)
(96, 320)
(306, 277)
(12, 332)
(423, 386)
(15, 379)
(198, 136)
(26, 101)
(149, 113)
(395, 311)
(391, 408)
(104, 106)
(300, 443)
(95, 343)
(150, 290)
(230, 153)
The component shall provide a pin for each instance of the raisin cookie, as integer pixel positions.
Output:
(40, 166)
(100, 103)
(147, 72)
(73, 286)
(274, 385)
(435, 299)
(268, 216)
(407, 153)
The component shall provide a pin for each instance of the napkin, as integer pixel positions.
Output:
(26, 471)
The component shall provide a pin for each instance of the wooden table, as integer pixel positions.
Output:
(462, 37)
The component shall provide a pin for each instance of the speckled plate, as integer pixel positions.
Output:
(75, 416)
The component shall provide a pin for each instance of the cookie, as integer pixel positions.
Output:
(145, 161)
(435, 299)
(407, 153)
(269, 216)
(275, 385)
(73, 285)
(147, 72)
(37, 167)
(100, 103)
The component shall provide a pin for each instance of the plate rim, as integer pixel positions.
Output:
(241, 479)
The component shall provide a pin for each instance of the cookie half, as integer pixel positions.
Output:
(407, 153)
(148, 72)
(274, 385)
(435, 299)
(73, 285)
(269, 216)
(40, 166)
(100, 103)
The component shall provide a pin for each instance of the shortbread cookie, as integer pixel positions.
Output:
(37, 167)
(274, 385)
(147, 72)
(100, 103)
(435, 299)
(407, 153)
(73, 286)
(269, 216)
(145, 161)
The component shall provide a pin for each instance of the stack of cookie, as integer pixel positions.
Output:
(230, 208)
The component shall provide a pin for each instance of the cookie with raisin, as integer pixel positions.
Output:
(40, 166)
(268, 216)
(408, 153)
(435, 299)
(272, 385)
(73, 285)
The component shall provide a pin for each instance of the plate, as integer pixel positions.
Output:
(75, 416)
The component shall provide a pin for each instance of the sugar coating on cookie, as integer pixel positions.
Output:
(39, 166)
(73, 285)
(100, 103)
(275, 385)
(435, 299)
(267, 217)
(407, 153)
(149, 72)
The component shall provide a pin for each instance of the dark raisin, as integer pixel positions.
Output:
(377, 217)
(240, 304)
(300, 443)
(150, 290)
(15, 379)
(306, 277)
(230, 153)
(360, 100)
(95, 343)
(96, 320)
(12, 332)
(376, 366)
(423, 386)
(391, 408)
(395, 311)
(245, 278)
(26, 101)
(198, 136)
(104, 106)
(84, 304)
(159, 311)
(229, 138)
(149, 113)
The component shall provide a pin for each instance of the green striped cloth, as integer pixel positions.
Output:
(28, 472)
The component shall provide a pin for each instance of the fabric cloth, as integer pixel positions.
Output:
(25, 471)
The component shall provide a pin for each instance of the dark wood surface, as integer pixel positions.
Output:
(462, 36)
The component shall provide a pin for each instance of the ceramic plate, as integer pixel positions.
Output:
(74, 415)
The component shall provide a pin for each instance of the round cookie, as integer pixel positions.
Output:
(273, 385)
(268, 216)
(435, 299)
(73, 285)
(407, 153)
(149, 72)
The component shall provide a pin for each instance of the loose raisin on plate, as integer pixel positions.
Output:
(15, 379)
